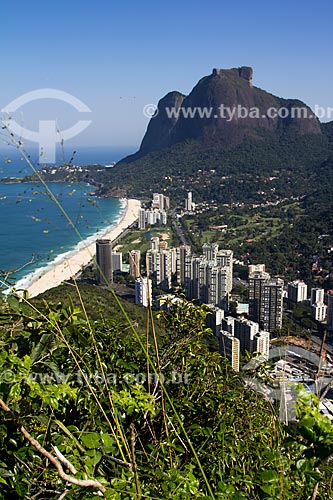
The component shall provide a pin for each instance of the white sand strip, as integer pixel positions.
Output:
(71, 265)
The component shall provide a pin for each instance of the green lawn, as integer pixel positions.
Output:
(140, 240)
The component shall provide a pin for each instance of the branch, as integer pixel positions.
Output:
(42, 492)
(118, 461)
(64, 460)
(65, 477)
(316, 488)
(62, 496)
(136, 475)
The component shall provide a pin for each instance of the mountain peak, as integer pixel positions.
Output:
(245, 72)
(224, 109)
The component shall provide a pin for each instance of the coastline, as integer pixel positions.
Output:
(71, 265)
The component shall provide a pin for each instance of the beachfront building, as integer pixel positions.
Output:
(160, 201)
(143, 291)
(104, 261)
(152, 217)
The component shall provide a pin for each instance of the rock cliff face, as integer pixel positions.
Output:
(160, 127)
(216, 112)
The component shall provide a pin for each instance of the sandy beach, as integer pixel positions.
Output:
(70, 266)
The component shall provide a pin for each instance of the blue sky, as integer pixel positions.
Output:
(117, 56)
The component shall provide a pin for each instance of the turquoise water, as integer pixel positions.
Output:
(34, 234)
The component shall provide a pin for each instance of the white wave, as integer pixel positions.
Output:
(34, 275)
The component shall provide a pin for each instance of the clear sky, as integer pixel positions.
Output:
(117, 56)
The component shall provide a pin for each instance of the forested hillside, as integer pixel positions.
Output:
(88, 412)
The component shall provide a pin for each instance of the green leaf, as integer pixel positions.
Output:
(14, 303)
(91, 440)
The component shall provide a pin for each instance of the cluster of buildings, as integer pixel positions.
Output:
(238, 335)
(208, 278)
(163, 266)
(321, 303)
(164, 263)
(156, 214)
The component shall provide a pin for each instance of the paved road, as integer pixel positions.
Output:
(178, 226)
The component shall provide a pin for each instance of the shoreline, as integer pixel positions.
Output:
(72, 264)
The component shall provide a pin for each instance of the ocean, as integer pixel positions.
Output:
(34, 234)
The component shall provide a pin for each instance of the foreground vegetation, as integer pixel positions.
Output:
(88, 411)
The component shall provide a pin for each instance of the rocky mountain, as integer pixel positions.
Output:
(224, 141)
(225, 109)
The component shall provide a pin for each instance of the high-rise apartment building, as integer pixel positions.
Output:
(117, 261)
(230, 348)
(104, 261)
(181, 253)
(143, 291)
(160, 266)
(245, 331)
(142, 218)
(319, 311)
(192, 265)
(163, 217)
(262, 343)
(160, 201)
(297, 291)
(228, 324)
(266, 300)
(250, 337)
(261, 268)
(209, 251)
(151, 217)
(272, 305)
(256, 283)
(317, 295)
(154, 243)
(214, 319)
(189, 202)
(209, 278)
